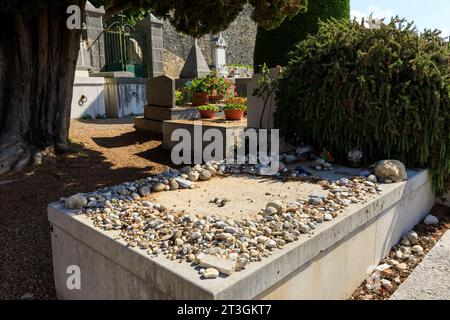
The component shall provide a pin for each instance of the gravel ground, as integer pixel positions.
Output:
(431, 279)
(428, 236)
(103, 152)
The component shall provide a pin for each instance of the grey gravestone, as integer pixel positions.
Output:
(161, 92)
(195, 65)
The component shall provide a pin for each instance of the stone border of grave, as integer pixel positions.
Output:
(259, 271)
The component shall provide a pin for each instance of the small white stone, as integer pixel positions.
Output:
(413, 237)
(417, 248)
(386, 284)
(270, 244)
(401, 266)
(179, 242)
(277, 205)
(211, 273)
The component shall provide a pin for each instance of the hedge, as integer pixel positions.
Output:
(272, 46)
(384, 91)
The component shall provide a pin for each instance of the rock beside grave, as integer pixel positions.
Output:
(183, 183)
(277, 205)
(173, 184)
(158, 187)
(210, 273)
(413, 237)
(431, 220)
(144, 191)
(222, 265)
(205, 175)
(193, 176)
(392, 170)
(76, 201)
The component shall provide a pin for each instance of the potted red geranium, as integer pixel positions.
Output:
(218, 87)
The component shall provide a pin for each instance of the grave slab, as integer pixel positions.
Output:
(329, 264)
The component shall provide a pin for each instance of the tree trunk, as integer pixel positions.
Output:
(38, 57)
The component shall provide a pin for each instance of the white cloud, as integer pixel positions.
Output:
(373, 10)
(445, 32)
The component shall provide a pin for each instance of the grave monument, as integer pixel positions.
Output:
(161, 106)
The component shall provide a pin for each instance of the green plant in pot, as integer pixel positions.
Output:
(234, 111)
(200, 93)
(208, 111)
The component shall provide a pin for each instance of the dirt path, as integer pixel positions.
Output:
(103, 152)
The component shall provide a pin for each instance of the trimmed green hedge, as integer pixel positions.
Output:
(272, 46)
(384, 91)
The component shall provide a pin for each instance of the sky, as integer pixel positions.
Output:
(426, 14)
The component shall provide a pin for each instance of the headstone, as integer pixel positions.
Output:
(161, 92)
(255, 105)
(220, 55)
(161, 106)
(195, 65)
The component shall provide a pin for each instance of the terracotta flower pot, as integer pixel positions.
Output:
(234, 114)
(200, 99)
(207, 114)
(216, 98)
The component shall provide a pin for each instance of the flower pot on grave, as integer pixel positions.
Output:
(215, 98)
(200, 99)
(207, 114)
(234, 114)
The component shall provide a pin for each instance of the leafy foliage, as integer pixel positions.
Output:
(266, 88)
(195, 18)
(213, 85)
(384, 91)
(201, 17)
(180, 98)
(235, 106)
(209, 107)
(272, 46)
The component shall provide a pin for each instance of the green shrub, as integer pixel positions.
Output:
(197, 86)
(209, 107)
(384, 91)
(235, 106)
(272, 46)
(180, 98)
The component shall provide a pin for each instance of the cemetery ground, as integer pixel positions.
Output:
(103, 152)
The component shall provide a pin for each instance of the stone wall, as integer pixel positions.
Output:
(240, 37)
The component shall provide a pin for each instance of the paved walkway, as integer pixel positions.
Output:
(431, 279)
